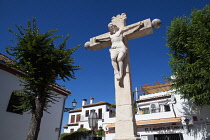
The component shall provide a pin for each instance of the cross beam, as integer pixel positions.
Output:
(130, 33)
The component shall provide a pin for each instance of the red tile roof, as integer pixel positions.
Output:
(75, 110)
(96, 104)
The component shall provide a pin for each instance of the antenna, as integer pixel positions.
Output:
(136, 91)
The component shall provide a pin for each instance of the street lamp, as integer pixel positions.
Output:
(74, 104)
(92, 120)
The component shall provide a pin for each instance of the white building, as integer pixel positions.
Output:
(15, 126)
(160, 115)
(163, 114)
(78, 118)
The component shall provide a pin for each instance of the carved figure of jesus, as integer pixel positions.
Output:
(118, 49)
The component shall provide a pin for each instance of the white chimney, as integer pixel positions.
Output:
(91, 100)
(84, 102)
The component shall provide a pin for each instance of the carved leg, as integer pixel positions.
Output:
(115, 66)
(114, 55)
(120, 63)
(120, 58)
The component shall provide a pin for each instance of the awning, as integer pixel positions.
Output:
(156, 87)
(111, 125)
(156, 121)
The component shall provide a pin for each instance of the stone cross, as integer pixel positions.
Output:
(117, 38)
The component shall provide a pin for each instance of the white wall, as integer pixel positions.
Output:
(84, 120)
(14, 126)
(103, 107)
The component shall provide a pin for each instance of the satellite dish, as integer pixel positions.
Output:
(152, 106)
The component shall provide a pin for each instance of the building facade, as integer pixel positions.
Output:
(14, 126)
(160, 115)
(78, 118)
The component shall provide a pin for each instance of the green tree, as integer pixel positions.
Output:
(43, 63)
(188, 40)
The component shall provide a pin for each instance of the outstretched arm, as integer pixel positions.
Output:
(99, 42)
(104, 39)
(135, 27)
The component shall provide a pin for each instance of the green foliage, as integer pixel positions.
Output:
(100, 133)
(188, 39)
(77, 135)
(113, 105)
(65, 136)
(42, 63)
(81, 133)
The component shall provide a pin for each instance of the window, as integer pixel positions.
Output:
(167, 108)
(155, 110)
(107, 109)
(100, 113)
(81, 126)
(144, 110)
(78, 118)
(112, 114)
(14, 101)
(72, 118)
(72, 130)
(195, 118)
(87, 113)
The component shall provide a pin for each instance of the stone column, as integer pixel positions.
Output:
(125, 125)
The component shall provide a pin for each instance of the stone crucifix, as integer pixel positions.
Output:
(117, 38)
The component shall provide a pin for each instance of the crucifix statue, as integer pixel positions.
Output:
(117, 38)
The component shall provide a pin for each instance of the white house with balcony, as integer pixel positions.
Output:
(163, 115)
(13, 124)
(78, 118)
(160, 115)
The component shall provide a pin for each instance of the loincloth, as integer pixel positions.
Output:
(118, 50)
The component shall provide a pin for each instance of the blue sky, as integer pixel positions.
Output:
(83, 19)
